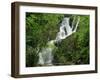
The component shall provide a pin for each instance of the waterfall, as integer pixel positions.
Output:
(65, 30)
(45, 56)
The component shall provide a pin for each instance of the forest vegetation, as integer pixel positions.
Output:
(42, 27)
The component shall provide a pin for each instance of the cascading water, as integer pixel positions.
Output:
(45, 55)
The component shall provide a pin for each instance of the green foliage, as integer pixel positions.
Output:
(41, 27)
(75, 48)
(31, 56)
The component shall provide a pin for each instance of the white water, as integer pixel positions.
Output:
(45, 55)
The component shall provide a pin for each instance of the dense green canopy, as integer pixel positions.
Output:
(43, 27)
